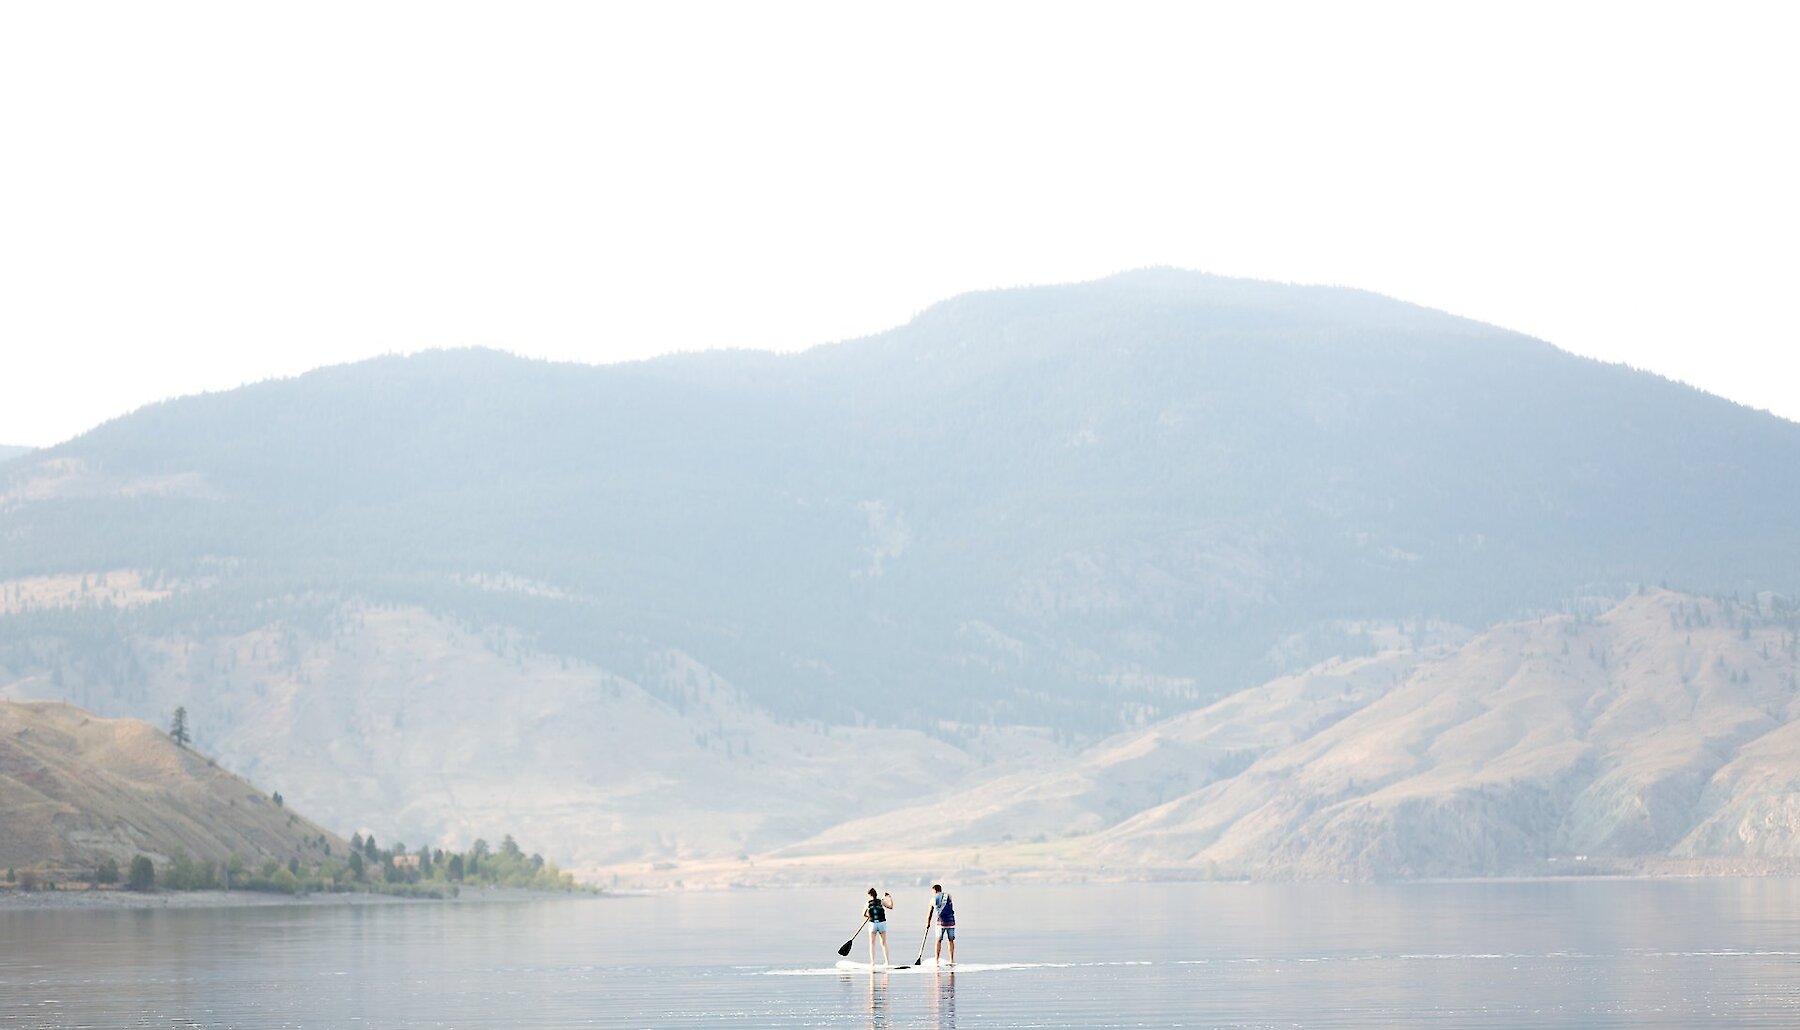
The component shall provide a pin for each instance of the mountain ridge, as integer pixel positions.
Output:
(1043, 515)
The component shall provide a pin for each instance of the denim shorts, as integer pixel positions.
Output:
(946, 931)
(880, 928)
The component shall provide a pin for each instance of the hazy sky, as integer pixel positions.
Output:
(193, 196)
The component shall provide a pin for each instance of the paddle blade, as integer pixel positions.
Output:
(845, 950)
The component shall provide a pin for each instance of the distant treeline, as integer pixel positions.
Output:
(427, 872)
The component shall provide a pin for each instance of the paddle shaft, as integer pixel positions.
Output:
(920, 960)
(845, 950)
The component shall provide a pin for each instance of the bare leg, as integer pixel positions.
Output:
(952, 950)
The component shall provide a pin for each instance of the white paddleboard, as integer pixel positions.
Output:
(864, 967)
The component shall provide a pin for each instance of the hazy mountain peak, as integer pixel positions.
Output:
(1067, 511)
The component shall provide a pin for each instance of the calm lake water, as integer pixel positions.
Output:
(1566, 954)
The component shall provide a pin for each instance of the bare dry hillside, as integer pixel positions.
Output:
(1663, 728)
(416, 729)
(76, 789)
(1665, 732)
(1133, 771)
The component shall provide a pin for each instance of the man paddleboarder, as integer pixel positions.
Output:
(944, 914)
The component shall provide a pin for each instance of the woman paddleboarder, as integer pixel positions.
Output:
(876, 913)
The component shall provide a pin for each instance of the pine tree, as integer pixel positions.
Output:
(178, 727)
(142, 876)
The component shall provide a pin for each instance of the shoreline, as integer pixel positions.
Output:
(847, 872)
(13, 900)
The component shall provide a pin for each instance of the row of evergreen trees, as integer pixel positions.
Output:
(508, 866)
(428, 872)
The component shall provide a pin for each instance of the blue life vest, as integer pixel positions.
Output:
(946, 912)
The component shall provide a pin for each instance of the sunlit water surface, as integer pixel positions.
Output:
(1466, 955)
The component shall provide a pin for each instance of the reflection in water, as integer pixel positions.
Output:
(878, 1001)
(943, 1001)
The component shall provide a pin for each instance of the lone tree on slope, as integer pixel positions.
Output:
(178, 728)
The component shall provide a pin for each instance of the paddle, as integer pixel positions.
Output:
(921, 959)
(845, 950)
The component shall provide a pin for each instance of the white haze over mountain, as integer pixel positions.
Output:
(204, 194)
